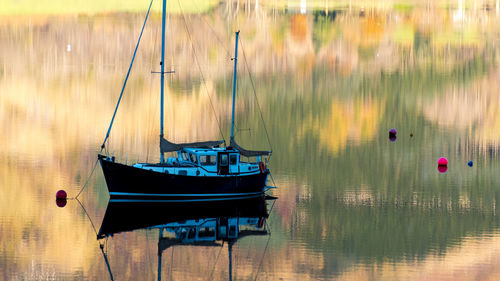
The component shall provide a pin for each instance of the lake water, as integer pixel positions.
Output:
(330, 77)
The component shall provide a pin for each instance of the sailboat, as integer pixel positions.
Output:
(208, 169)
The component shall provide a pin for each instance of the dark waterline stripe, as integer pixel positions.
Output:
(183, 195)
(180, 200)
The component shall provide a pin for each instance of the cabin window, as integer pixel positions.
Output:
(223, 160)
(192, 233)
(206, 232)
(193, 158)
(207, 160)
(185, 156)
(233, 159)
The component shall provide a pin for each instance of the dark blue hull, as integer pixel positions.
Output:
(127, 182)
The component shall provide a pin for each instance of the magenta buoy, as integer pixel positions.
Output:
(61, 194)
(392, 132)
(443, 161)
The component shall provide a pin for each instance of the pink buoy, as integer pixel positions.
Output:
(443, 161)
(61, 194)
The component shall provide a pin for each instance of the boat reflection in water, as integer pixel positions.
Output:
(196, 222)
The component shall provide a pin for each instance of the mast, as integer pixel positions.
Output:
(160, 251)
(162, 68)
(234, 83)
(107, 262)
(230, 254)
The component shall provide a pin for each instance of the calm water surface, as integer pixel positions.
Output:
(331, 78)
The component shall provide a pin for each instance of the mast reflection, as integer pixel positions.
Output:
(208, 223)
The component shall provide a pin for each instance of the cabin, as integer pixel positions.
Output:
(205, 162)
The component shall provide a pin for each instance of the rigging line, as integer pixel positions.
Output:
(272, 206)
(87, 180)
(262, 259)
(267, 227)
(272, 178)
(216, 259)
(126, 78)
(255, 94)
(199, 67)
(217, 37)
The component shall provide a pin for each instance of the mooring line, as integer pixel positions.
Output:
(86, 181)
(86, 213)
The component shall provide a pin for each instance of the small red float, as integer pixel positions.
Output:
(61, 194)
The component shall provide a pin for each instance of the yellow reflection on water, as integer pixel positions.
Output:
(348, 122)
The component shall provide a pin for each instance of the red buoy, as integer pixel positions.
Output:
(443, 161)
(61, 194)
